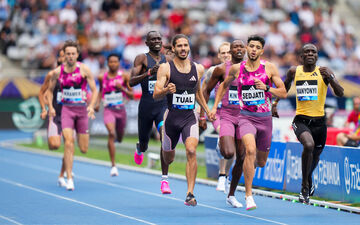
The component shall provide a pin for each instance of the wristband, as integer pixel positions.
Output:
(148, 73)
(202, 118)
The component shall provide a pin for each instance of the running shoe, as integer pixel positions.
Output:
(231, 200)
(304, 196)
(250, 203)
(221, 183)
(227, 186)
(61, 182)
(114, 171)
(312, 190)
(138, 158)
(70, 185)
(190, 200)
(165, 189)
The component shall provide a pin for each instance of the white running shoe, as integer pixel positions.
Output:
(61, 182)
(221, 184)
(70, 185)
(250, 203)
(233, 202)
(227, 186)
(114, 171)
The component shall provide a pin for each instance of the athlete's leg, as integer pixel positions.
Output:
(191, 164)
(307, 141)
(68, 134)
(250, 156)
(238, 167)
(54, 134)
(164, 166)
(111, 141)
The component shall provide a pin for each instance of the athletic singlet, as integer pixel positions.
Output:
(111, 95)
(57, 97)
(73, 86)
(254, 100)
(310, 92)
(230, 99)
(148, 83)
(186, 86)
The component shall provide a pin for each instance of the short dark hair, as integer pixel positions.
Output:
(178, 36)
(111, 55)
(150, 32)
(71, 43)
(256, 38)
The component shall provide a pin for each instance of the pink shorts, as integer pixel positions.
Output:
(260, 127)
(76, 118)
(229, 123)
(115, 116)
(54, 127)
(216, 123)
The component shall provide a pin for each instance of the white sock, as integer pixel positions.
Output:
(164, 177)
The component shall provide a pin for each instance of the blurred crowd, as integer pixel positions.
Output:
(33, 30)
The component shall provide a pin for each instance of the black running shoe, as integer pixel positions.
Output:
(304, 196)
(190, 200)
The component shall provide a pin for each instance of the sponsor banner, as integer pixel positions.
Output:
(336, 177)
(272, 174)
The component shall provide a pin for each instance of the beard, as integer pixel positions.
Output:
(177, 54)
(253, 58)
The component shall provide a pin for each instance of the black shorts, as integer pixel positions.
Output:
(315, 126)
(351, 143)
(147, 115)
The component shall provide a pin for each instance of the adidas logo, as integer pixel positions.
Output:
(192, 78)
(185, 93)
(314, 74)
(252, 88)
(306, 83)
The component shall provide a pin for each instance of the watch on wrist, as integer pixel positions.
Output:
(267, 88)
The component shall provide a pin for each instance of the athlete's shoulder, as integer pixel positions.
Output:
(140, 58)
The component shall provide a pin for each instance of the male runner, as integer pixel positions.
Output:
(254, 77)
(150, 111)
(114, 86)
(73, 77)
(54, 126)
(178, 80)
(311, 82)
(230, 108)
(224, 164)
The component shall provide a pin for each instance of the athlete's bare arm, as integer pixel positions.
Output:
(280, 90)
(290, 76)
(128, 89)
(329, 78)
(43, 97)
(163, 76)
(138, 72)
(199, 95)
(98, 99)
(233, 73)
(52, 82)
(91, 82)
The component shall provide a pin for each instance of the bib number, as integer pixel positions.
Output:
(252, 96)
(183, 101)
(307, 90)
(113, 99)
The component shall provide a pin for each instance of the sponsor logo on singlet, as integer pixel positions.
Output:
(252, 96)
(307, 90)
(185, 100)
(113, 98)
(233, 95)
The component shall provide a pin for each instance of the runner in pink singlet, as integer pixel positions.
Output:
(255, 78)
(73, 77)
(230, 107)
(114, 88)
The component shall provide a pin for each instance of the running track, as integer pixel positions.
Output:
(29, 195)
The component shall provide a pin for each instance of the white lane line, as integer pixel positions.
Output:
(10, 220)
(44, 169)
(73, 200)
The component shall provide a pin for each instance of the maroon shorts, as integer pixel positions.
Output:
(76, 118)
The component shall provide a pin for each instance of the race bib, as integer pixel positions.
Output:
(151, 86)
(233, 95)
(252, 96)
(307, 90)
(72, 94)
(183, 100)
(58, 97)
(113, 98)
